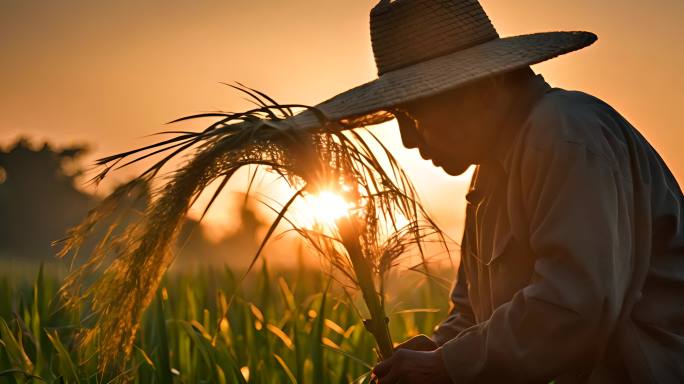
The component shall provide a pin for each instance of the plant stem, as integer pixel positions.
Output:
(378, 324)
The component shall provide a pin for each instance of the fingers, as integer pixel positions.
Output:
(388, 371)
(418, 343)
(407, 366)
(383, 367)
(391, 378)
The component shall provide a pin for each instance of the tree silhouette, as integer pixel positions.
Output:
(39, 202)
(38, 198)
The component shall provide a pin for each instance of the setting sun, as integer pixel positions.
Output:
(327, 206)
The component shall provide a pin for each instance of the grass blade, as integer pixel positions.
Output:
(66, 366)
(163, 358)
(316, 352)
(285, 368)
(14, 348)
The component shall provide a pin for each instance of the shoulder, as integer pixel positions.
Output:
(566, 116)
(564, 121)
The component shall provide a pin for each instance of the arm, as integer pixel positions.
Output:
(578, 213)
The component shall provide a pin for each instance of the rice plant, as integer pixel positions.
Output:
(384, 220)
(283, 326)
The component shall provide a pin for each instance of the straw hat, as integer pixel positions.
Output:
(424, 47)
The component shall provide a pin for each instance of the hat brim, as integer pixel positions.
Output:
(367, 104)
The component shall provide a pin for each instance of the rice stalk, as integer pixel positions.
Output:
(363, 245)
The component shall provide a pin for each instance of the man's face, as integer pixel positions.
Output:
(454, 129)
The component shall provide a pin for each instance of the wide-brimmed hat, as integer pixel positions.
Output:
(424, 47)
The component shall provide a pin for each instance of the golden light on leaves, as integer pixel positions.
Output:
(245, 372)
(224, 326)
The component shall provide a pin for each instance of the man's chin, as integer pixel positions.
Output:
(454, 170)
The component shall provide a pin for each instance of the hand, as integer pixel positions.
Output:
(411, 367)
(418, 343)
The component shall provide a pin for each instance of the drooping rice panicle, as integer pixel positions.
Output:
(363, 246)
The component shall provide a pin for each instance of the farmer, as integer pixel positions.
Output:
(572, 260)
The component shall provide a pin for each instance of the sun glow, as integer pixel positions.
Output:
(327, 207)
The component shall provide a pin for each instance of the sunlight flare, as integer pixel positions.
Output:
(326, 207)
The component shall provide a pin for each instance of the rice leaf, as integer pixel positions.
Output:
(66, 366)
(285, 368)
(15, 349)
(316, 340)
(10, 374)
(163, 350)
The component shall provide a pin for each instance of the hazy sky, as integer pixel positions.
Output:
(109, 72)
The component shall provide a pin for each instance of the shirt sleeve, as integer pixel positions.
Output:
(577, 211)
(461, 314)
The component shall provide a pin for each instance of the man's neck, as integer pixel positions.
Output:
(519, 101)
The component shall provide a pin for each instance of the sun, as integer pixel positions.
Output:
(326, 207)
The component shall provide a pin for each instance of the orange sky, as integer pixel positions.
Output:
(108, 73)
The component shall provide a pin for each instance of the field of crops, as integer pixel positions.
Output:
(284, 326)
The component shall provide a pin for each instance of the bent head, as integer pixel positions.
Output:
(460, 127)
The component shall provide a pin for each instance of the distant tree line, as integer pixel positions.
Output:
(40, 201)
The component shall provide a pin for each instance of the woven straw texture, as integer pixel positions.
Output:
(408, 32)
(420, 70)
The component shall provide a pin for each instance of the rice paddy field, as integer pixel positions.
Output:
(282, 326)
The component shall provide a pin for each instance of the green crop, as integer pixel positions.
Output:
(286, 326)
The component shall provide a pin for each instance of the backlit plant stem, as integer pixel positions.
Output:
(378, 324)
